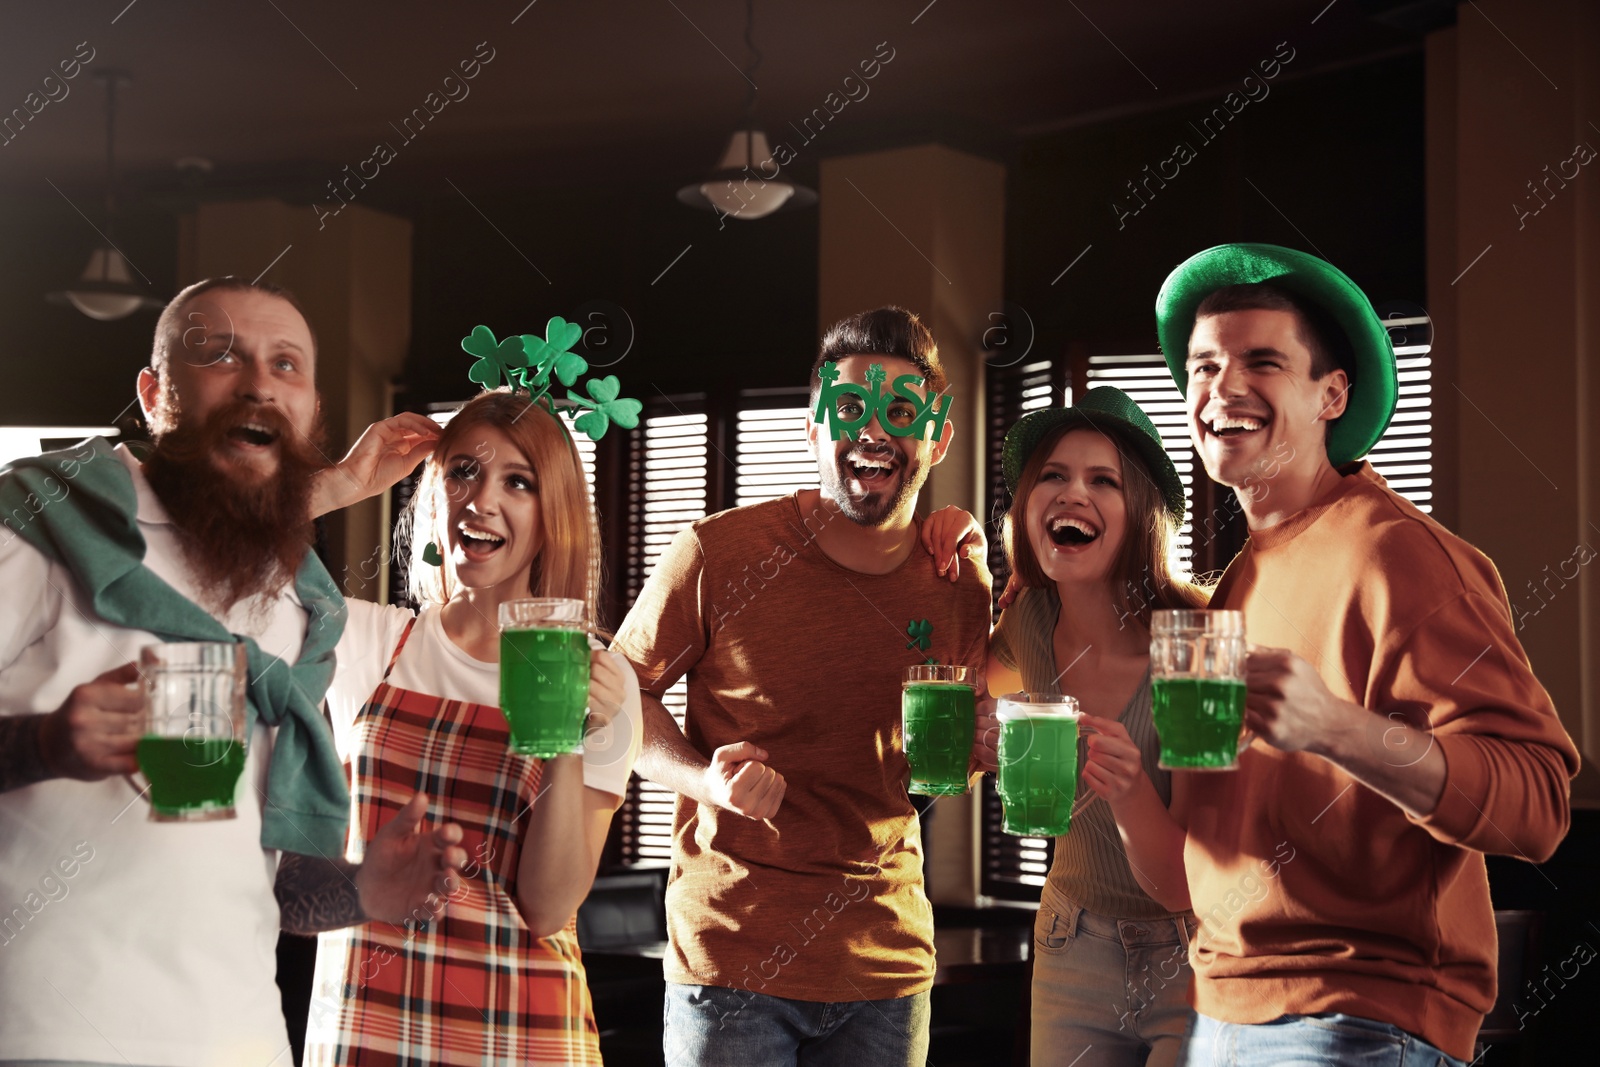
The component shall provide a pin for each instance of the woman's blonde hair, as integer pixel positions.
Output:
(568, 562)
(1141, 577)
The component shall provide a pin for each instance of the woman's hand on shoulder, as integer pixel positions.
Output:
(950, 533)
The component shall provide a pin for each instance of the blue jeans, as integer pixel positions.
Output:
(1309, 1041)
(1108, 992)
(709, 1026)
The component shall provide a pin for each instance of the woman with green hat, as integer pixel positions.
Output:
(1096, 504)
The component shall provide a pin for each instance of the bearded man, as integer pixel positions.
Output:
(124, 940)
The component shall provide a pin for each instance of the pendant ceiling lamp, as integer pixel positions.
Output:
(106, 291)
(747, 182)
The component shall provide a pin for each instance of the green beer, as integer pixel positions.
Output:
(938, 723)
(1199, 720)
(190, 778)
(195, 726)
(1038, 776)
(1197, 660)
(544, 675)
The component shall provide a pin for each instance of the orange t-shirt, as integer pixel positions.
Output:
(787, 649)
(1316, 894)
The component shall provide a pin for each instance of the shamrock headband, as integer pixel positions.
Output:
(901, 413)
(536, 364)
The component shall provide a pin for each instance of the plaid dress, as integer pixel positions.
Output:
(474, 988)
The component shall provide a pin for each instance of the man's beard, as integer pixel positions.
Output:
(244, 533)
(876, 508)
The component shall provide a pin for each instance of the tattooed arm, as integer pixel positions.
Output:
(91, 736)
(316, 894)
(408, 874)
(21, 762)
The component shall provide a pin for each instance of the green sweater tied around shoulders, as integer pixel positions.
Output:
(91, 529)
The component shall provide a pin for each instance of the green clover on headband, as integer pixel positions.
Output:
(498, 361)
(550, 353)
(605, 407)
(535, 364)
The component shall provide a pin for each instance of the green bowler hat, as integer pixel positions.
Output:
(1103, 408)
(1375, 389)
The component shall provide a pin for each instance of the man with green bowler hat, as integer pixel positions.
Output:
(1396, 730)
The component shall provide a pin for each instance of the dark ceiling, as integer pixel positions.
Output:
(279, 95)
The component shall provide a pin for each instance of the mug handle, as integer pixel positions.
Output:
(133, 778)
(1246, 737)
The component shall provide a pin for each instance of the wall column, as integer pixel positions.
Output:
(1514, 281)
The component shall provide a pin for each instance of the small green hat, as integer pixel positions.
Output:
(1375, 388)
(1103, 408)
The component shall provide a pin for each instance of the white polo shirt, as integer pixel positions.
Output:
(124, 940)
